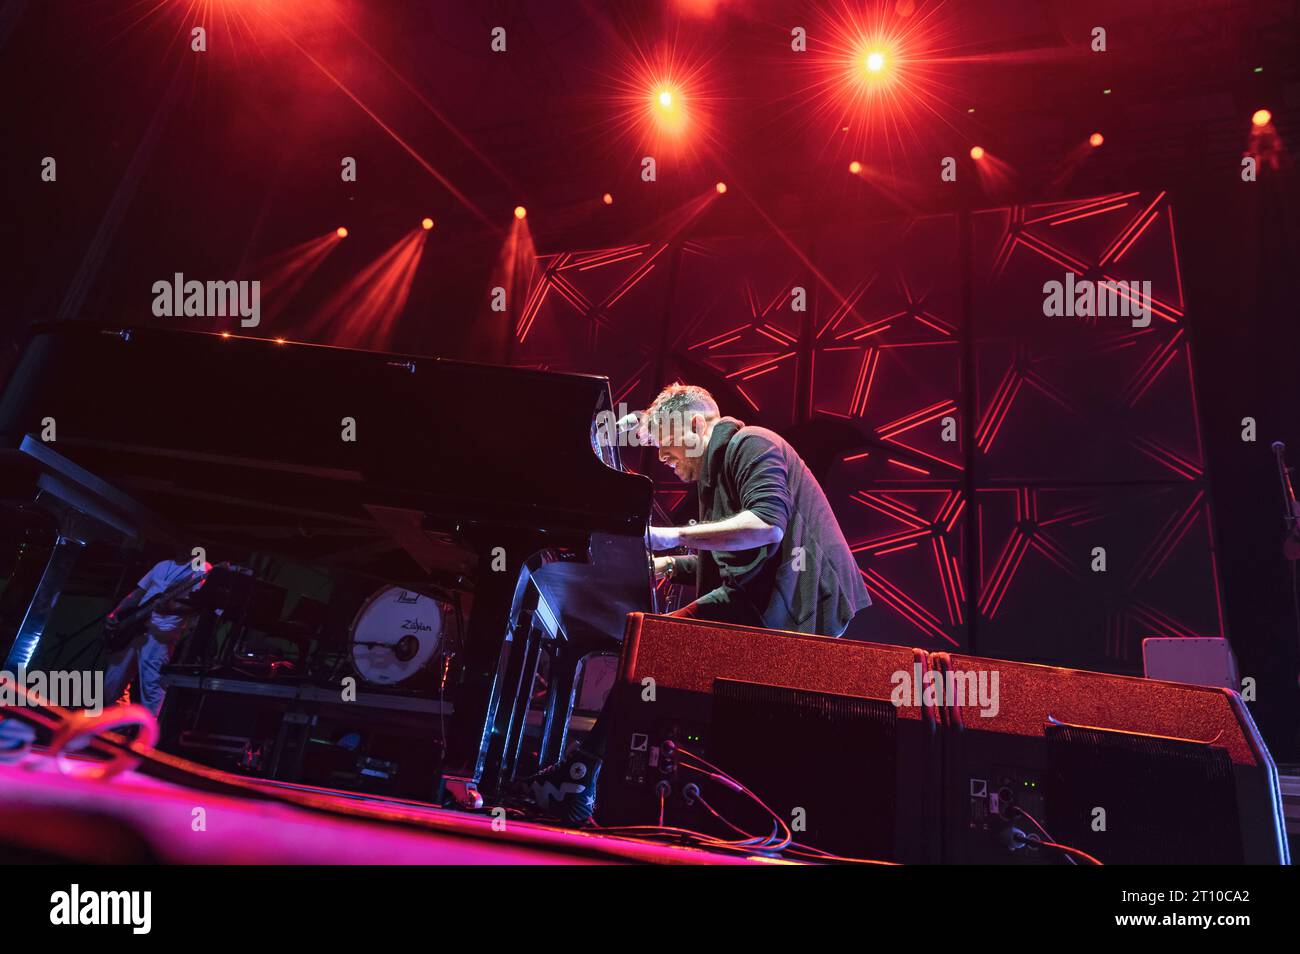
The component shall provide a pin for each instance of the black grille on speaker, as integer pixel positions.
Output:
(1165, 800)
(833, 756)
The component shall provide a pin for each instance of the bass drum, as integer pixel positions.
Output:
(395, 635)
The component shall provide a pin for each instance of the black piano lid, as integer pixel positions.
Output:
(222, 431)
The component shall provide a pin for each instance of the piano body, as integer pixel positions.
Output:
(481, 479)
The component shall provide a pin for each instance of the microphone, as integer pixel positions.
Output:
(1289, 513)
(630, 422)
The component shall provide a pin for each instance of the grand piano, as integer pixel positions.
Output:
(417, 472)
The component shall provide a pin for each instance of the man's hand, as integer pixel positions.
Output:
(662, 567)
(664, 538)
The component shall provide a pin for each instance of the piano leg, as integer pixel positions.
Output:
(505, 710)
(559, 702)
(476, 741)
(521, 676)
(58, 568)
(483, 654)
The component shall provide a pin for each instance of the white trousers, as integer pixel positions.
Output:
(146, 655)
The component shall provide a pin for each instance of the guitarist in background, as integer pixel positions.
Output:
(146, 654)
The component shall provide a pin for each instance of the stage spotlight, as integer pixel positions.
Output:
(341, 232)
(607, 199)
(668, 105)
(426, 223)
(721, 187)
(855, 167)
(977, 152)
(1096, 139)
(520, 211)
(668, 109)
(872, 72)
(1262, 117)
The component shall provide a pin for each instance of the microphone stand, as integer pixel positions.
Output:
(1291, 520)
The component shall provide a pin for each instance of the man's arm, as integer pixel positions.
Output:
(743, 531)
(758, 469)
(130, 601)
(136, 596)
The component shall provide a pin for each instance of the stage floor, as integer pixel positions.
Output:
(135, 818)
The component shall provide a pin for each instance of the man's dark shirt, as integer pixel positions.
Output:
(807, 583)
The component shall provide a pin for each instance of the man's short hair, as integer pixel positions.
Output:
(678, 402)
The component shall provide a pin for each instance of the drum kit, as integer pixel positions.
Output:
(394, 637)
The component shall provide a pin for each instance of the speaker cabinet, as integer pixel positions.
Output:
(1129, 770)
(826, 731)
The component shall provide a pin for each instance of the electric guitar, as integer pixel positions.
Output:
(119, 631)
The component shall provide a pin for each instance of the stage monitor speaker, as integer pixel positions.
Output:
(1128, 770)
(809, 724)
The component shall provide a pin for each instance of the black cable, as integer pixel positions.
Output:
(1041, 830)
(730, 781)
(786, 844)
(1064, 849)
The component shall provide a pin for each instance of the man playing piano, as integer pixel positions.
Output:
(773, 553)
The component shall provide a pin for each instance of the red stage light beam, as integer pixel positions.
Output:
(363, 313)
(392, 133)
(994, 174)
(285, 273)
(434, 110)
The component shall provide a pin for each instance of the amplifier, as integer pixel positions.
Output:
(1129, 770)
(832, 734)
